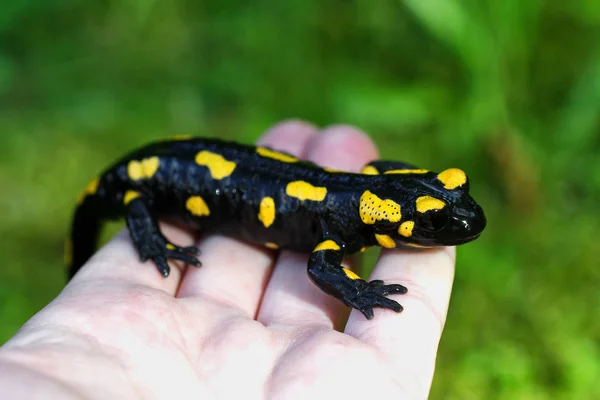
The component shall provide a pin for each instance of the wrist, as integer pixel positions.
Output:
(64, 365)
(22, 378)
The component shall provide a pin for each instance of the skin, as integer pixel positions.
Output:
(247, 324)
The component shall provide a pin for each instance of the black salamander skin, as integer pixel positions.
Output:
(272, 198)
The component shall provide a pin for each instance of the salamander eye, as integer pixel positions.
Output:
(434, 220)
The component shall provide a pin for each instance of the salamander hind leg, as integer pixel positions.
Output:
(150, 242)
(325, 271)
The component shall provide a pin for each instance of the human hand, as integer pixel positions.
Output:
(247, 324)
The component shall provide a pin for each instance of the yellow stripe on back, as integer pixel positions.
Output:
(406, 171)
(275, 155)
(369, 170)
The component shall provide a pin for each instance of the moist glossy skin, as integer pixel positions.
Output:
(273, 199)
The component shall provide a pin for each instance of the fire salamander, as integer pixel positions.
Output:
(274, 199)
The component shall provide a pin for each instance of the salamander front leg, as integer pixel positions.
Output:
(325, 271)
(150, 242)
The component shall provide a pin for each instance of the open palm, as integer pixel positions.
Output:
(247, 324)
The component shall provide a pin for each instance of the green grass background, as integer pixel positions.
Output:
(507, 90)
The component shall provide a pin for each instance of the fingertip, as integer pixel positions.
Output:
(290, 136)
(342, 147)
(412, 336)
(425, 278)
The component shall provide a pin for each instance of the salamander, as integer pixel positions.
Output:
(272, 198)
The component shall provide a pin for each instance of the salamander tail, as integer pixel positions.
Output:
(85, 231)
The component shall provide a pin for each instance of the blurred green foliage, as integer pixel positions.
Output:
(507, 90)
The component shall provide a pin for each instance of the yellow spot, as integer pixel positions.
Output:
(385, 241)
(365, 248)
(68, 251)
(452, 178)
(406, 228)
(332, 170)
(130, 195)
(350, 274)
(169, 246)
(271, 245)
(369, 170)
(305, 191)
(407, 171)
(266, 213)
(90, 189)
(427, 203)
(275, 155)
(218, 166)
(144, 169)
(197, 206)
(373, 209)
(327, 245)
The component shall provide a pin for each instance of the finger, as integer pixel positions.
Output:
(235, 273)
(290, 297)
(119, 261)
(410, 339)
(290, 136)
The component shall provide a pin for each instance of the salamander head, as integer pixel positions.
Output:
(422, 210)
